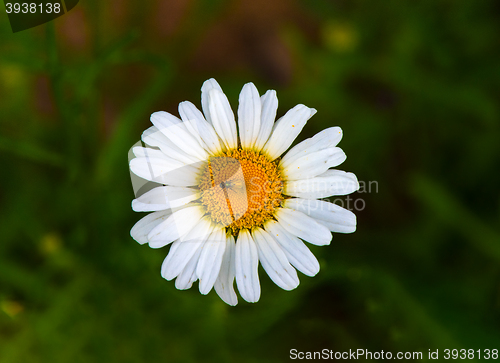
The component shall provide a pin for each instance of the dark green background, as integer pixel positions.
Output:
(415, 86)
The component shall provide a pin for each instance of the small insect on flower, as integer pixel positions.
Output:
(225, 199)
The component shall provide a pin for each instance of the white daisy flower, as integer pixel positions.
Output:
(226, 200)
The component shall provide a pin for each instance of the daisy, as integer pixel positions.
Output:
(226, 199)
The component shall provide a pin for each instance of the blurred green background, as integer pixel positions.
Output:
(414, 85)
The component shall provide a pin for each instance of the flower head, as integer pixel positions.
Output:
(226, 200)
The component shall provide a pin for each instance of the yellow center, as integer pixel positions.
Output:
(240, 189)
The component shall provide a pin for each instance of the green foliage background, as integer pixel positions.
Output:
(415, 86)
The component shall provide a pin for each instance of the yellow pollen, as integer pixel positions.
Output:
(240, 189)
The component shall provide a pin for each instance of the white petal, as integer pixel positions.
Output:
(147, 152)
(322, 140)
(249, 115)
(205, 89)
(313, 164)
(295, 250)
(333, 216)
(165, 197)
(188, 111)
(246, 264)
(286, 129)
(222, 118)
(224, 283)
(154, 137)
(269, 107)
(182, 251)
(177, 225)
(198, 126)
(300, 225)
(331, 182)
(190, 116)
(274, 260)
(176, 131)
(165, 171)
(210, 261)
(141, 229)
(188, 275)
